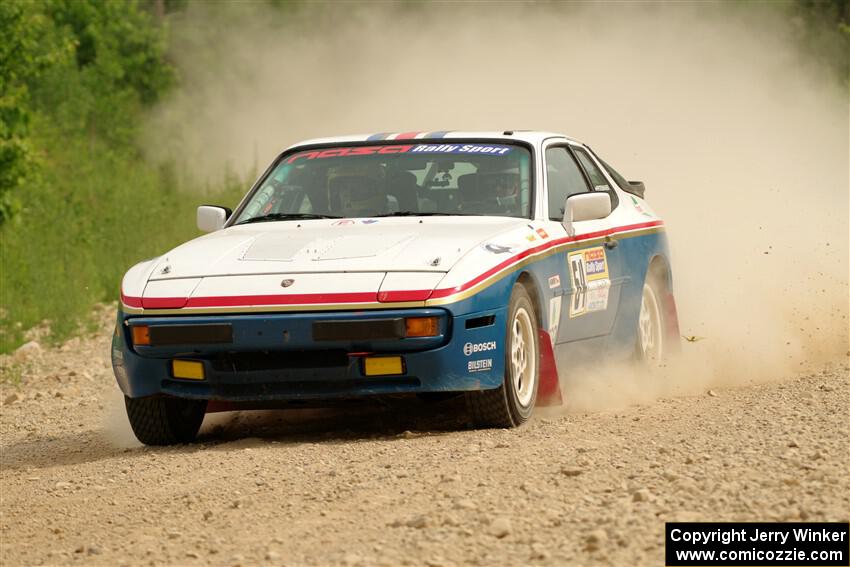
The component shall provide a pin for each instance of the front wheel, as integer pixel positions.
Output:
(511, 403)
(165, 421)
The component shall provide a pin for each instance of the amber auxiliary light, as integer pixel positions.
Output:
(422, 326)
(141, 335)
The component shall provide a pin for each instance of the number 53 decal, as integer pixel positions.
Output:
(589, 274)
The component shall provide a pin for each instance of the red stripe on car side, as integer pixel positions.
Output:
(164, 302)
(406, 136)
(364, 297)
(131, 301)
(543, 247)
(280, 299)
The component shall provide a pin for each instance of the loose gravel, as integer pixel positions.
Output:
(404, 485)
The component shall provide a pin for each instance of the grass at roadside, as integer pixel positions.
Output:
(93, 213)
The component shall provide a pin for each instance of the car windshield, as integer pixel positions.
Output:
(478, 178)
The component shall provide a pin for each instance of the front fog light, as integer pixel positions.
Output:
(383, 366)
(187, 369)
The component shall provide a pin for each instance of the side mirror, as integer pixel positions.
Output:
(579, 207)
(212, 218)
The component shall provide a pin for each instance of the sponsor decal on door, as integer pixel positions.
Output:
(590, 282)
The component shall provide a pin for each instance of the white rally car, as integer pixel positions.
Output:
(477, 263)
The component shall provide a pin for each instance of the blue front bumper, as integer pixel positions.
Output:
(275, 357)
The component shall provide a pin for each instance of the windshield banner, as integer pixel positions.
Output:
(482, 149)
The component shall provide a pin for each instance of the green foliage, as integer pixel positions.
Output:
(75, 77)
(824, 27)
(92, 219)
(29, 48)
(89, 66)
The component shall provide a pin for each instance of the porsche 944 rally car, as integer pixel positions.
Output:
(413, 263)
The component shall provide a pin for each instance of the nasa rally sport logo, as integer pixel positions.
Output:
(471, 348)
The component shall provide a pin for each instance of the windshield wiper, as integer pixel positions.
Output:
(416, 214)
(286, 216)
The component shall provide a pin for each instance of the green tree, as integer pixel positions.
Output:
(28, 49)
(75, 78)
(825, 31)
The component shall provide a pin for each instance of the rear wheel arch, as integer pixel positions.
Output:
(659, 268)
(660, 273)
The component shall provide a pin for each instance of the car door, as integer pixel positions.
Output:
(591, 267)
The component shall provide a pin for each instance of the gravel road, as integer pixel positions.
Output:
(411, 486)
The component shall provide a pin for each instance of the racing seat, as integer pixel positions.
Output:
(402, 184)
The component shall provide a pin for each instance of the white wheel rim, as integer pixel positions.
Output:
(523, 357)
(649, 327)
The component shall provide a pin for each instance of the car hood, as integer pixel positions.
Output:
(410, 244)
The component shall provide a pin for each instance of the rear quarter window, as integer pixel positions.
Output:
(596, 176)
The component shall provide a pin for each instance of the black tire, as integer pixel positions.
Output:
(163, 420)
(503, 407)
(651, 338)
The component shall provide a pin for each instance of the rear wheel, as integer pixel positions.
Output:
(164, 420)
(511, 403)
(650, 347)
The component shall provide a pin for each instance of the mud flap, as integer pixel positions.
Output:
(549, 389)
(671, 320)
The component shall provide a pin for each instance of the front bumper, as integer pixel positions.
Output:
(276, 357)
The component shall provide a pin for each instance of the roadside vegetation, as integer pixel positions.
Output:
(79, 203)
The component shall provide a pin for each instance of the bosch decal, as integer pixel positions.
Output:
(472, 348)
(554, 281)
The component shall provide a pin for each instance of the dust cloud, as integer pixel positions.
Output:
(742, 140)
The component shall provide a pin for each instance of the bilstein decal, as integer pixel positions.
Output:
(479, 365)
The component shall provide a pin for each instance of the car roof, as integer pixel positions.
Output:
(531, 136)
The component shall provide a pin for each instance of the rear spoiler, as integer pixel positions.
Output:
(635, 188)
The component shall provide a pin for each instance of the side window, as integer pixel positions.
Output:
(564, 179)
(596, 177)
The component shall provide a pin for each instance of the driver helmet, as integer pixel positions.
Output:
(358, 190)
(501, 182)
